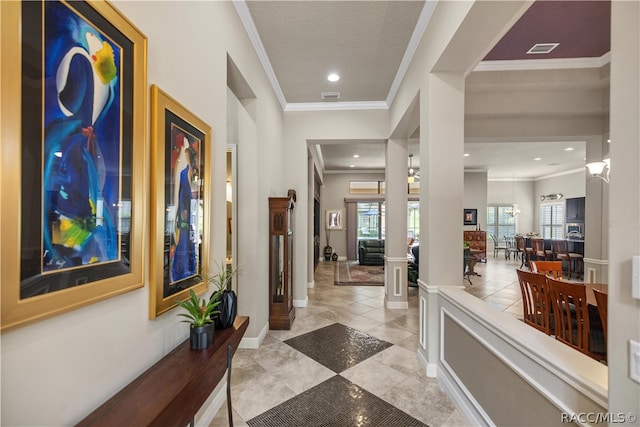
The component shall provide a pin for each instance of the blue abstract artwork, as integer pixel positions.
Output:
(82, 148)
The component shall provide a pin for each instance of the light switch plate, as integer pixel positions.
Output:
(634, 360)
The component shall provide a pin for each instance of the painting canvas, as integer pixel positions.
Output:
(82, 147)
(79, 100)
(179, 226)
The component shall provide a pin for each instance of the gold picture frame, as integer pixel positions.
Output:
(36, 284)
(180, 153)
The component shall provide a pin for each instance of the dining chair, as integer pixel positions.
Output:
(524, 251)
(536, 301)
(549, 268)
(601, 302)
(497, 247)
(538, 249)
(511, 249)
(561, 250)
(572, 323)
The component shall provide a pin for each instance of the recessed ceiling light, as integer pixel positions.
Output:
(467, 154)
(333, 77)
(538, 158)
(355, 156)
(568, 149)
(352, 166)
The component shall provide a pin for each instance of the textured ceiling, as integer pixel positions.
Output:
(362, 41)
(365, 42)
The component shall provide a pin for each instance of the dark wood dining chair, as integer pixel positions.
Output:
(574, 260)
(601, 302)
(536, 301)
(523, 250)
(548, 268)
(572, 323)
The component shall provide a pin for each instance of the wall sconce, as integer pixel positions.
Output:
(229, 192)
(600, 169)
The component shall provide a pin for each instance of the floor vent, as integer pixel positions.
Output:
(330, 95)
(542, 48)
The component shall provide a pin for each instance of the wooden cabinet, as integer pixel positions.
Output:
(281, 232)
(477, 242)
(575, 208)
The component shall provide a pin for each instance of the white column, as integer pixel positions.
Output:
(596, 232)
(441, 197)
(396, 225)
(624, 205)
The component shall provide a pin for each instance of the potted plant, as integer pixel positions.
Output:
(198, 315)
(328, 250)
(225, 296)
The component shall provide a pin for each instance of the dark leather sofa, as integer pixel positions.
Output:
(371, 252)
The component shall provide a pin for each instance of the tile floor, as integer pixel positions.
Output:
(369, 376)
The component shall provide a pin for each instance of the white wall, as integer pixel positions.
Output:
(520, 193)
(475, 197)
(56, 371)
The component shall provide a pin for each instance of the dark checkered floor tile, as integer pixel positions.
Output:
(336, 402)
(338, 347)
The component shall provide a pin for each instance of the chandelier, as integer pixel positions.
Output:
(513, 209)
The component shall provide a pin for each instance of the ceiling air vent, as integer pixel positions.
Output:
(330, 95)
(542, 48)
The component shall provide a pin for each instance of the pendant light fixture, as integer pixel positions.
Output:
(513, 209)
(412, 174)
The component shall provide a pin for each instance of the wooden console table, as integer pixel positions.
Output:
(175, 388)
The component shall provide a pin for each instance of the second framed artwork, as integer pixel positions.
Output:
(180, 151)
(470, 217)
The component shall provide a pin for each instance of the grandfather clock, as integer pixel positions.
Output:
(281, 309)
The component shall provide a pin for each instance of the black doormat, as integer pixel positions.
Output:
(336, 402)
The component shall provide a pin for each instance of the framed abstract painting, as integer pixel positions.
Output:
(73, 171)
(180, 146)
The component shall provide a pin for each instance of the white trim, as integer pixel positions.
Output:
(431, 369)
(412, 46)
(595, 261)
(310, 285)
(544, 64)
(255, 341)
(456, 390)
(336, 106)
(576, 370)
(422, 318)
(397, 305)
(397, 282)
(252, 33)
(395, 259)
(301, 302)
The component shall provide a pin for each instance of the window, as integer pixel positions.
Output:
(413, 220)
(370, 220)
(499, 222)
(552, 220)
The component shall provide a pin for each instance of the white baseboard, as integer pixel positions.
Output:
(431, 369)
(311, 284)
(249, 342)
(474, 414)
(301, 302)
(397, 305)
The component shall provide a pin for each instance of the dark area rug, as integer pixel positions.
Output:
(353, 274)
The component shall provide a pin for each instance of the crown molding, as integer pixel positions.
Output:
(254, 37)
(416, 37)
(336, 106)
(543, 64)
